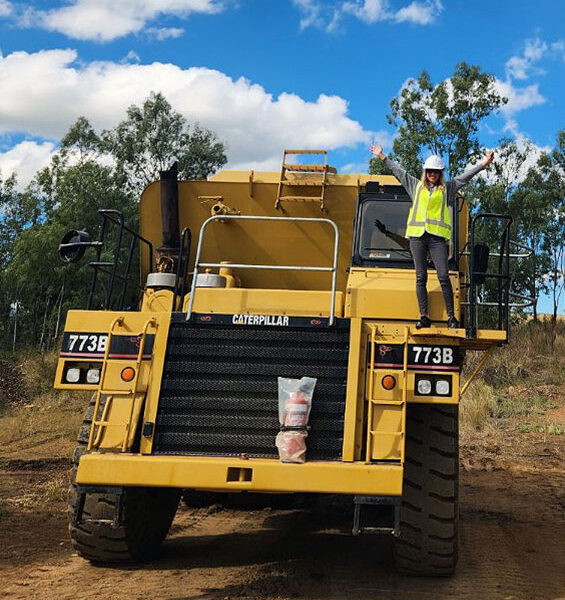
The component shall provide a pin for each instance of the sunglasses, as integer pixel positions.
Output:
(433, 171)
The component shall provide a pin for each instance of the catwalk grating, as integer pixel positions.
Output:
(219, 388)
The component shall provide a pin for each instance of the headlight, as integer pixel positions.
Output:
(424, 386)
(73, 375)
(442, 387)
(93, 376)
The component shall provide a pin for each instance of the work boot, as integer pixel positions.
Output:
(423, 323)
(453, 323)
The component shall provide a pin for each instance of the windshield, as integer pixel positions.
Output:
(381, 230)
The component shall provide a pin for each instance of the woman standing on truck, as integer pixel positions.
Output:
(429, 224)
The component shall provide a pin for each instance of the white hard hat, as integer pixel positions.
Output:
(434, 162)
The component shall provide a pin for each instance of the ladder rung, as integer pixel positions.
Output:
(108, 424)
(302, 183)
(300, 199)
(116, 392)
(388, 402)
(395, 433)
(321, 152)
(307, 168)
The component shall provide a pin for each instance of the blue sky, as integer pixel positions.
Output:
(269, 74)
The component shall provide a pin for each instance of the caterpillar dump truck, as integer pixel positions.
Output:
(251, 276)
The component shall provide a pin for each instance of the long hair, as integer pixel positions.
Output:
(440, 181)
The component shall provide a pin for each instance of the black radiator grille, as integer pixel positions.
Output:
(219, 388)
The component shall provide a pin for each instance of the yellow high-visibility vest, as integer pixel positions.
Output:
(429, 213)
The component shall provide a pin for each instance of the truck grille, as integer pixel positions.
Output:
(219, 388)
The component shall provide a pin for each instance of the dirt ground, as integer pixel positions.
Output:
(512, 541)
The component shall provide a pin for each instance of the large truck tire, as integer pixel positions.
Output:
(147, 514)
(427, 540)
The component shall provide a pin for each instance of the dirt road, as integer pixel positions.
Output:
(512, 546)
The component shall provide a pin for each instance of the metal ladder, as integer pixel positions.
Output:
(313, 177)
(100, 424)
(388, 442)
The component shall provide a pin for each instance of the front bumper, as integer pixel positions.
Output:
(235, 474)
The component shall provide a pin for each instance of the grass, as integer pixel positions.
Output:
(537, 427)
(42, 416)
(522, 381)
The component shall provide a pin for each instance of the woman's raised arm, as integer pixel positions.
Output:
(408, 181)
(460, 180)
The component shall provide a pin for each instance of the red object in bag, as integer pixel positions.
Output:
(292, 446)
(296, 410)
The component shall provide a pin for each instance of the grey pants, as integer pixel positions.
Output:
(437, 246)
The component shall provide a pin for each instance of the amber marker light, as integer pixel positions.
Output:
(388, 382)
(128, 373)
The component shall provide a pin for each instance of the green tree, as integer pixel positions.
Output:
(153, 136)
(443, 118)
(65, 195)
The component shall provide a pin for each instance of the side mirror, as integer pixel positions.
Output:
(480, 261)
(73, 245)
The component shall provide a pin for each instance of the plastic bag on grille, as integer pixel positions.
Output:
(295, 402)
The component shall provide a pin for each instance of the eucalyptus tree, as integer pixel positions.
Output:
(153, 136)
(443, 118)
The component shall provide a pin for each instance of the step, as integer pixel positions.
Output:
(302, 183)
(310, 168)
(300, 199)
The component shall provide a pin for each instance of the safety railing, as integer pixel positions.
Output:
(479, 273)
(111, 268)
(198, 264)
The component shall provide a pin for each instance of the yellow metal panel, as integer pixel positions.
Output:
(114, 381)
(394, 395)
(157, 301)
(217, 473)
(387, 432)
(393, 333)
(260, 242)
(305, 303)
(117, 422)
(391, 294)
(353, 419)
(454, 399)
(155, 376)
(99, 321)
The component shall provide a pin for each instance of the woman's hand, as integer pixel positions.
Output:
(488, 160)
(378, 151)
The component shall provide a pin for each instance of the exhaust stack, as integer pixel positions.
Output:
(168, 252)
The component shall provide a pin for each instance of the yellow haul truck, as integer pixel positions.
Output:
(251, 276)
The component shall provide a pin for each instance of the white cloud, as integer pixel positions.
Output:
(131, 57)
(164, 33)
(311, 13)
(519, 98)
(105, 20)
(25, 159)
(372, 11)
(369, 11)
(522, 67)
(327, 15)
(419, 13)
(356, 168)
(5, 8)
(45, 92)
